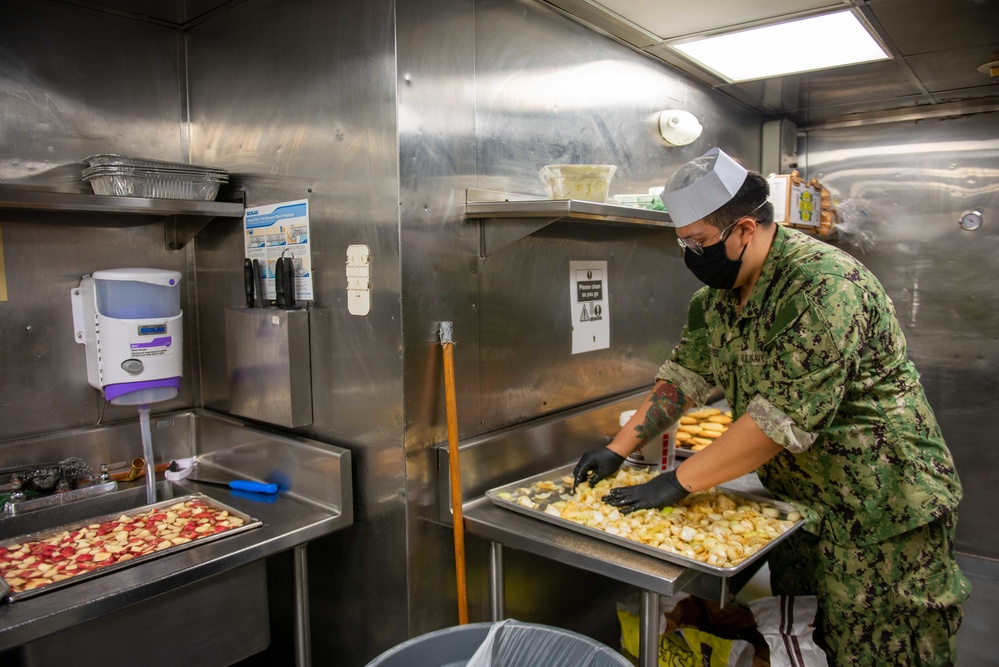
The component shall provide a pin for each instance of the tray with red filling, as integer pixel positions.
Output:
(50, 559)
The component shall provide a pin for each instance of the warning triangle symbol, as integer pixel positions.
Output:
(584, 316)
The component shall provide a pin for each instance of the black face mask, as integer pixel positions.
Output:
(713, 267)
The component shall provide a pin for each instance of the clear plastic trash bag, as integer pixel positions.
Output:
(511, 643)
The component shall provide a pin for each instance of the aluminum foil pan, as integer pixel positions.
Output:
(249, 523)
(192, 174)
(134, 182)
(113, 160)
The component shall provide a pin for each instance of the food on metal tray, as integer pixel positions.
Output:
(699, 428)
(712, 526)
(30, 565)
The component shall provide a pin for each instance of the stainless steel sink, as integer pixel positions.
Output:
(122, 500)
(215, 594)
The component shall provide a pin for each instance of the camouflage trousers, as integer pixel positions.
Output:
(897, 602)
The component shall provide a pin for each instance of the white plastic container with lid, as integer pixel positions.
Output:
(659, 454)
(585, 182)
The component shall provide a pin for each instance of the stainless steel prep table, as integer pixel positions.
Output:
(286, 524)
(653, 576)
(312, 508)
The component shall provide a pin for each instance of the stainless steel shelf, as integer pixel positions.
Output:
(182, 218)
(507, 217)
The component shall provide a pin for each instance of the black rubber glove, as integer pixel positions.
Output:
(600, 461)
(662, 491)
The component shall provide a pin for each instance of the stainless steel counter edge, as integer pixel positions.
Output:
(286, 523)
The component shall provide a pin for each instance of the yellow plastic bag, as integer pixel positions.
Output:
(687, 646)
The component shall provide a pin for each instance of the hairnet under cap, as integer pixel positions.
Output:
(702, 186)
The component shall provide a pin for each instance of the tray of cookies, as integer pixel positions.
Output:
(699, 428)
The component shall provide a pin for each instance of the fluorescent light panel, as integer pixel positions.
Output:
(819, 42)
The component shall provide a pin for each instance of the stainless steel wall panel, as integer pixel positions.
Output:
(489, 92)
(74, 82)
(45, 386)
(526, 365)
(299, 100)
(437, 134)
(310, 114)
(545, 91)
(907, 184)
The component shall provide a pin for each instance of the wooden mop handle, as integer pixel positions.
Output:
(450, 403)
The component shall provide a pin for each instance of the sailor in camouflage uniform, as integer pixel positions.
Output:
(828, 409)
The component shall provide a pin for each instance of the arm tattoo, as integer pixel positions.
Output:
(667, 405)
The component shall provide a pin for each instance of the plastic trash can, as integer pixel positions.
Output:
(503, 644)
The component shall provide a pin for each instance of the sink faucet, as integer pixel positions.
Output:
(16, 495)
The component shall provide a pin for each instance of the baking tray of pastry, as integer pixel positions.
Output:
(46, 560)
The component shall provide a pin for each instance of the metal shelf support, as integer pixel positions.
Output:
(505, 218)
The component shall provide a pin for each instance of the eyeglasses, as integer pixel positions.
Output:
(698, 248)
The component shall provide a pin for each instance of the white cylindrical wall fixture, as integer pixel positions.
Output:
(679, 127)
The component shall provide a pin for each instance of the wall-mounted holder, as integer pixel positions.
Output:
(269, 365)
(358, 279)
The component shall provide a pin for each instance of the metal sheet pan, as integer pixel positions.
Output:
(249, 523)
(556, 476)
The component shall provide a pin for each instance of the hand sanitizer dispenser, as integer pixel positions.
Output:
(131, 324)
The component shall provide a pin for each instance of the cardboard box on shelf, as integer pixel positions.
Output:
(796, 203)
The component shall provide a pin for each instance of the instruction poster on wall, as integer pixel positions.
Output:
(588, 297)
(280, 230)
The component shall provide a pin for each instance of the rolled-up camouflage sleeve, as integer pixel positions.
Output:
(693, 385)
(778, 426)
(811, 351)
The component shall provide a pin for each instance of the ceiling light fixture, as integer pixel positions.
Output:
(802, 45)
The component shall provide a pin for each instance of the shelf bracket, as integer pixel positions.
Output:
(178, 230)
(495, 234)
(505, 218)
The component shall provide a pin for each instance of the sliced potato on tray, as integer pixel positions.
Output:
(712, 526)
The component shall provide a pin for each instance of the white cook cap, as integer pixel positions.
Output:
(702, 186)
